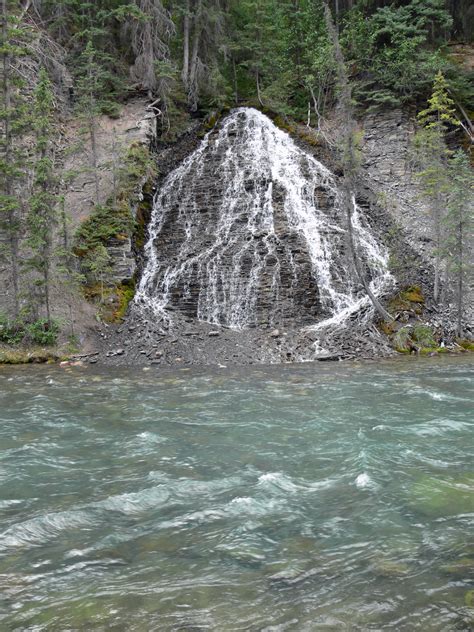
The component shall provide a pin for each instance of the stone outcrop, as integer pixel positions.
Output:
(390, 174)
(249, 232)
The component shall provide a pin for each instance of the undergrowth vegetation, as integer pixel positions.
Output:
(38, 332)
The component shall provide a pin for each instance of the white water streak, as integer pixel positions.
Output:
(250, 148)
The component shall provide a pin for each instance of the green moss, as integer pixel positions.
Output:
(284, 124)
(413, 294)
(125, 293)
(390, 568)
(211, 120)
(310, 137)
(388, 328)
(29, 356)
(459, 568)
(469, 599)
(466, 344)
(408, 299)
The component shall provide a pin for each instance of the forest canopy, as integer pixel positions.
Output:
(213, 53)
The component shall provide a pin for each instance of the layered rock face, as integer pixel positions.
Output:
(249, 231)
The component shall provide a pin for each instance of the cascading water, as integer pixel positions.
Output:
(250, 231)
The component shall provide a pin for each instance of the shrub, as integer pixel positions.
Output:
(11, 332)
(402, 339)
(39, 332)
(424, 337)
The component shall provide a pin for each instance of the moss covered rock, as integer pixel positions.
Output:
(436, 498)
(461, 568)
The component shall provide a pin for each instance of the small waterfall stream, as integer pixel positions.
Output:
(249, 231)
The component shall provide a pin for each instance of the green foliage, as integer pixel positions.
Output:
(402, 339)
(423, 336)
(11, 332)
(457, 224)
(14, 123)
(115, 220)
(420, 337)
(42, 331)
(97, 265)
(438, 180)
(396, 49)
(275, 53)
(440, 111)
(42, 214)
(104, 223)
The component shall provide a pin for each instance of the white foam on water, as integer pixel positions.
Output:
(364, 481)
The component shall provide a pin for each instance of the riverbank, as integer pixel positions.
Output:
(203, 345)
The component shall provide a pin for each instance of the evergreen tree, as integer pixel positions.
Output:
(458, 227)
(254, 39)
(432, 155)
(151, 30)
(14, 121)
(42, 216)
(97, 265)
(93, 98)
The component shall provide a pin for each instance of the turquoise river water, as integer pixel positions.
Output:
(297, 497)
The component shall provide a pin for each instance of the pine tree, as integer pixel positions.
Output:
(151, 30)
(93, 96)
(42, 216)
(440, 112)
(458, 227)
(14, 122)
(432, 154)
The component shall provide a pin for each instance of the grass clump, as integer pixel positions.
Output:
(31, 356)
(402, 340)
(468, 345)
(424, 336)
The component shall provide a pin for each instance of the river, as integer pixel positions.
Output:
(334, 496)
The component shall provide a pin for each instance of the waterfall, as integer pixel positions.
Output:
(249, 230)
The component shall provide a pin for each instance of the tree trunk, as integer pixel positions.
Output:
(437, 266)
(46, 292)
(349, 160)
(259, 96)
(234, 76)
(349, 207)
(185, 70)
(93, 139)
(460, 278)
(192, 85)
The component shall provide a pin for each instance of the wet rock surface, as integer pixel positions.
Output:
(283, 326)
